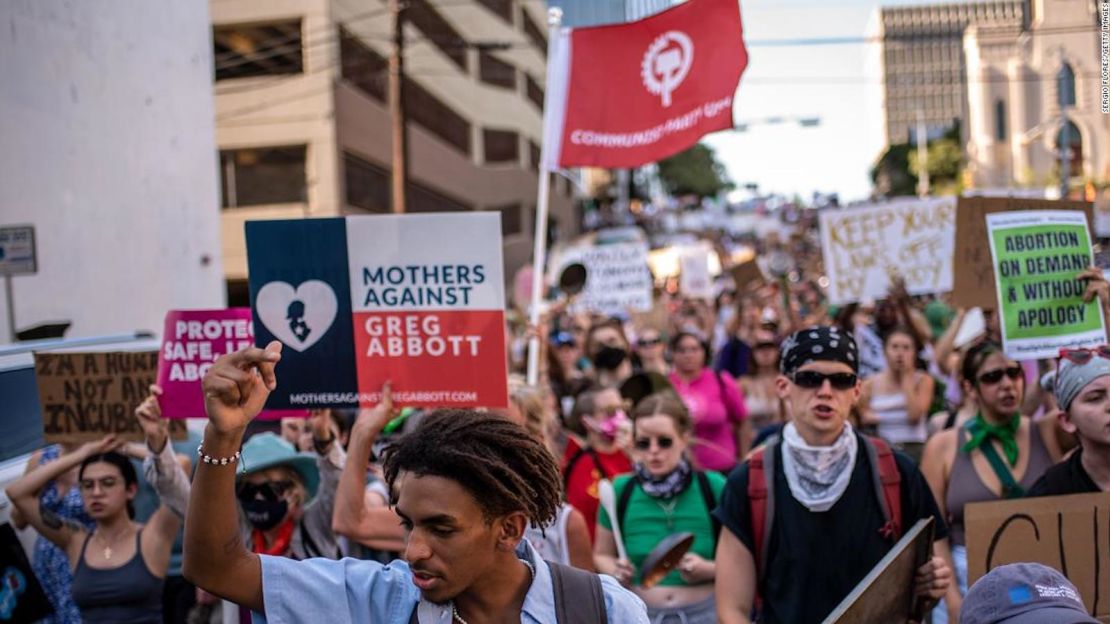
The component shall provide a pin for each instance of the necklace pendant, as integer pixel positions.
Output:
(107, 552)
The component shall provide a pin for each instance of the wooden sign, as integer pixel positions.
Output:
(1068, 533)
(973, 272)
(747, 273)
(86, 396)
(886, 594)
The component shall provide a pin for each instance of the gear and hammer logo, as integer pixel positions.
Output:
(666, 63)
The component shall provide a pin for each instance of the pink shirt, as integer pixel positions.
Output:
(714, 414)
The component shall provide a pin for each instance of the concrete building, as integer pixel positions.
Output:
(923, 63)
(106, 147)
(303, 125)
(1033, 90)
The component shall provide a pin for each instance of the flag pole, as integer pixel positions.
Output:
(543, 195)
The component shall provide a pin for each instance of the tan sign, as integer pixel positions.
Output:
(747, 273)
(86, 396)
(973, 284)
(1068, 533)
(886, 593)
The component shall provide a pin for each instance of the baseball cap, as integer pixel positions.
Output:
(1024, 593)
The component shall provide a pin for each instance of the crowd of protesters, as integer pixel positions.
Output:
(759, 423)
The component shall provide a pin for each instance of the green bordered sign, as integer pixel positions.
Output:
(1037, 256)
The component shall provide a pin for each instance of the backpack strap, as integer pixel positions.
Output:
(579, 598)
(721, 389)
(579, 454)
(710, 501)
(888, 485)
(622, 502)
(761, 498)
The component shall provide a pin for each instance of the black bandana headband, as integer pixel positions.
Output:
(819, 344)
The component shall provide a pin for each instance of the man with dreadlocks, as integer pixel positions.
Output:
(465, 484)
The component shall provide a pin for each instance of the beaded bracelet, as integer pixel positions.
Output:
(218, 461)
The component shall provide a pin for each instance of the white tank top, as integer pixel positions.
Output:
(551, 542)
(894, 424)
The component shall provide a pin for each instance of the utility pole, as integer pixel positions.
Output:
(400, 168)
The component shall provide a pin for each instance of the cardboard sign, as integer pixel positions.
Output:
(886, 593)
(1068, 533)
(746, 274)
(618, 279)
(973, 284)
(694, 280)
(864, 247)
(1037, 255)
(416, 299)
(86, 396)
(191, 341)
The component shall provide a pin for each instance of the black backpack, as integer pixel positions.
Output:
(578, 596)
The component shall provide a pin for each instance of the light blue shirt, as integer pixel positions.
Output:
(352, 591)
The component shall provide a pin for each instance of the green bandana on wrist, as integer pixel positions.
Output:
(982, 431)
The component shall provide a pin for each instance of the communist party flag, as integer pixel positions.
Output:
(629, 94)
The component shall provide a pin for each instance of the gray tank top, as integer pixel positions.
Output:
(129, 594)
(965, 486)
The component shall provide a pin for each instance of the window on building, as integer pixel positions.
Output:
(501, 146)
(1070, 139)
(438, 31)
(534, 155)
(999, 120)
(535, 91)
(263, 175)
(437, 117)
(512, 218)
(534, 33)
(368, 185)
(257, 50)
(500, 8)
(1065, 86)
(362, 66)
(238, 293)
(494, 71)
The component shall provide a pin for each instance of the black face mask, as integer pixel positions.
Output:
(609, 358)
(265, 514)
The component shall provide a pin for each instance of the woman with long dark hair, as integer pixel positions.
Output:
(119, 566)
(998, 454)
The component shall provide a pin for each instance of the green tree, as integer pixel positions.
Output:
(695, 171)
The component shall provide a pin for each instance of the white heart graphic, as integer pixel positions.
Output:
(298, 327)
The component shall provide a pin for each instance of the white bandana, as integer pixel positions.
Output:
(818, 475)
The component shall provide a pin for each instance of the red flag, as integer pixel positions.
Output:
(629, 94)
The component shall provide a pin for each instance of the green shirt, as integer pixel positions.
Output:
(646, 521)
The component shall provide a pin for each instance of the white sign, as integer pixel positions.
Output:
(17, 250)
(693, 277)
(617, 277)
(864, 247)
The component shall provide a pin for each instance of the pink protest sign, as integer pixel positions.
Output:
(191, 341)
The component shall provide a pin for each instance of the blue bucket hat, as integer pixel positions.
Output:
(269, 450)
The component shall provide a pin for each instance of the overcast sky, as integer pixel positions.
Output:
(839, 83)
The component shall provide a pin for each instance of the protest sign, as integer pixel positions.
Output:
(886, 593)
(694, 280)
(86, 396)
(356, 301)
(973, 285)
(617, 277)
(191, 342)
(1069, 533)
(746, 274)
(1036, 257)
(864, 247)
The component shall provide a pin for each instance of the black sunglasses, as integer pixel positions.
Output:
(814, 379)
(643, 444)
(1013, 372)
(649, 342)
(270, 490)
(766, 345)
